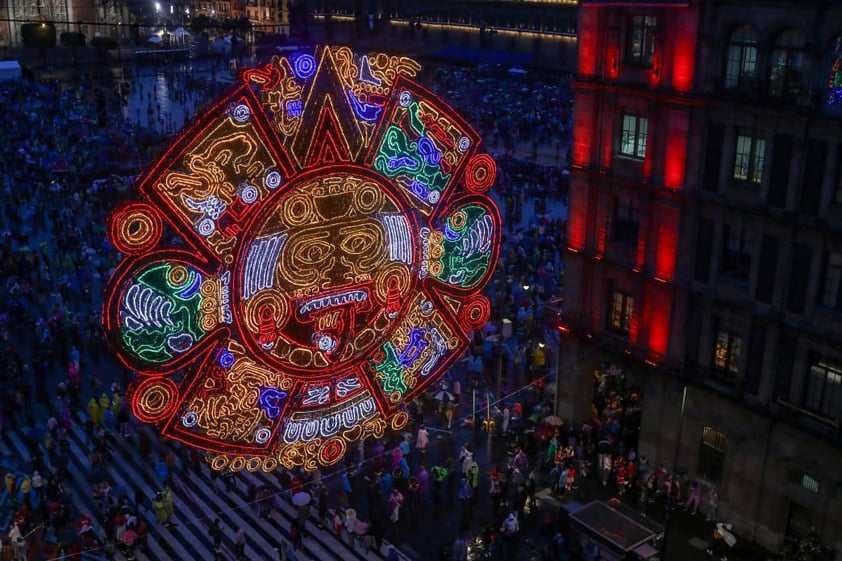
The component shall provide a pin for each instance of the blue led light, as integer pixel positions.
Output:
(304, 66)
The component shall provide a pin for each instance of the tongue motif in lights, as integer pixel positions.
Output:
(303, 260)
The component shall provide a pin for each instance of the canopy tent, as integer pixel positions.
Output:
(9, 70)
(616, 529)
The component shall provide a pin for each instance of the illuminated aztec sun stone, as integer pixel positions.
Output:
(329, 235)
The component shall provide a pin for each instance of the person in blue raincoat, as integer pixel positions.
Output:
(285, 552)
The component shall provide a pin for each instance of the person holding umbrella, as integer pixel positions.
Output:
(422, 437)
(303, 516)
(37, 485)
(26, 489)
(166, 494)
(351, 525)
(443, 396)
(215, 532)
(161, 510)
(723, 540)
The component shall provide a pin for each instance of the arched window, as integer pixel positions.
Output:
(741, 58)
(834, 81)
(786, 65)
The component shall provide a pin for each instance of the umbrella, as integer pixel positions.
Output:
(181, 32)
(553, 420)
(302, 498)
(154, 39)
(440, 395)
(725, 531)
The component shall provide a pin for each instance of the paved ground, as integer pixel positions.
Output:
(420, 536)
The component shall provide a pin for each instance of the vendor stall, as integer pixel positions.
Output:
(612, 531)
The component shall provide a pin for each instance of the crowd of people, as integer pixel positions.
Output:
(68, 159)
(509, 110)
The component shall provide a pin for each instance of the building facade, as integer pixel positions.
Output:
(705, 242)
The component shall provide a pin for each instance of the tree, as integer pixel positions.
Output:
(73, 40)
(38, 35)
(41, 36)
(201, 22)
(104, 43)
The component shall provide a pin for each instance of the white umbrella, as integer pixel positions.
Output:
(301, 499)
(724, 531)
(440, 395)
(181, 32)
(154, 39)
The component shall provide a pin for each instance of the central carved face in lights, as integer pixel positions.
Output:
(325, 272)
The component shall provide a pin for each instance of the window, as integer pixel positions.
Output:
(633, 141)
(622, 307)
(626, 224)
(809, 483)
(786, 65)
(834, 81)
(726, 352)
(749, 159)
(712, 455)
(641, 40)
(741, 58)
(736, 254)
(823, 394)
(832, 282)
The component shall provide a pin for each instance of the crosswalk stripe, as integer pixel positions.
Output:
(321, 544)
(230, 505)
(120, 474)
(262, 478)
(5, 451)
(77, 485)
(125, 474)
(192, 495)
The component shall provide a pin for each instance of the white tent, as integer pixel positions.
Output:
(9, 70)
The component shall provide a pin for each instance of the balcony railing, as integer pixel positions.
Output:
(817, 425)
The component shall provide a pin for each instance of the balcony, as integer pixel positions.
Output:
(812, 423)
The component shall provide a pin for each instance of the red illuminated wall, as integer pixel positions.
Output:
(577, 221)
(676, 153)
(583, 124)
(605, 87)
(668, 218)
(658, 303)
(588, 41)
(683, 49)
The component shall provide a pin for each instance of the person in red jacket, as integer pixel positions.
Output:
(571, 477)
